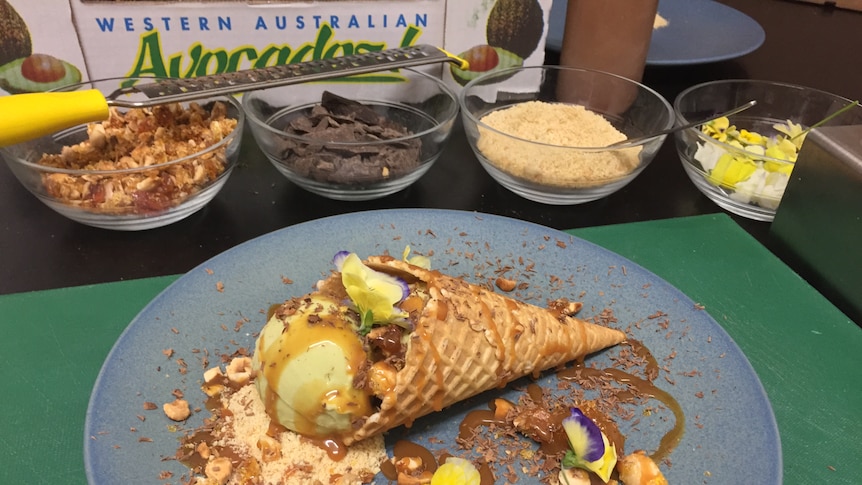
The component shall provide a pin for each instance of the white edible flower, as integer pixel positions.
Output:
(762, 188)
(773, 189)
(747, 189)
(708, 154)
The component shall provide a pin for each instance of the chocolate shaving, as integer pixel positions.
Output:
(341, 120)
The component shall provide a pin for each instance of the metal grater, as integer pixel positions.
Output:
(163, 91)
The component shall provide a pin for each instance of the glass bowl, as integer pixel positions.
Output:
(140, 169)
(359, 138)
(742, 180)
(542, 132)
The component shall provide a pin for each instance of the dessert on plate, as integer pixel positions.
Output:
(378, 344)
(382, 343)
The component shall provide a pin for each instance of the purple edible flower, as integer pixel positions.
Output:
(584, 436)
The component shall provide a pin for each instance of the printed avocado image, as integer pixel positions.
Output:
(513, 31)
(484, 58)
(15, 40)
(37, 73)
(516, 25)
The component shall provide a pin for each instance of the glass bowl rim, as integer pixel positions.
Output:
(726, 146)
(462, 96)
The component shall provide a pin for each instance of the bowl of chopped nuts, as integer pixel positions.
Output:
(545, 132)
(141, 168)
(361, 138)
(743, 162)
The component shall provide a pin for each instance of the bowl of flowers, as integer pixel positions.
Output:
(744, 162)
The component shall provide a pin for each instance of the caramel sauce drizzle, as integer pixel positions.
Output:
(640, 350)
(333, 447)
(549, 433)
(488, 317)
(643, 387)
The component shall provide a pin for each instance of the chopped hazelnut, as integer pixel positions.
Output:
(382, 378)
(203, 450)
(505, 284)
(270, 448)
(239, 371)
(409, 464)
(213, 381)
(177, 410)
(502, 408)
(219, 469)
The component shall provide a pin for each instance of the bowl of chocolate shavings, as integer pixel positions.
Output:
(356, 138)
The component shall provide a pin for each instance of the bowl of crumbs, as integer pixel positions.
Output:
(359, 138)
(140, 168)
(560, 135)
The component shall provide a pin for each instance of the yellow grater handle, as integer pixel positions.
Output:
(24, 117)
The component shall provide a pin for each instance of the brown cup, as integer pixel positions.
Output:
(611, 36)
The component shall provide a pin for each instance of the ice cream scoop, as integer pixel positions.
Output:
(307, 358)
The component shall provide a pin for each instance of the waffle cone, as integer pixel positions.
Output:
(469, 340)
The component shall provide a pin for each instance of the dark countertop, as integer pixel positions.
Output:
(805, 44)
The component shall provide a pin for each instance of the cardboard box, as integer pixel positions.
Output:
(193, 38)
(39, 48)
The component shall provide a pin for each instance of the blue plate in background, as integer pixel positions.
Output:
(698, 32)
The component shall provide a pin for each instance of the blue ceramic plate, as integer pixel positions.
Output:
(730, 437)
(698, 32)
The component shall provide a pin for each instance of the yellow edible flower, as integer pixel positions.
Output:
(717, 128)
(456, 471)
(418, 260)
(793, 131)
(606, 464)
(735, 143)
(730, 170)
(785, 168)
(751, 138)
(718, 124)
(789, 148)
(755, 151)
(775, 152)
(375, 294)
